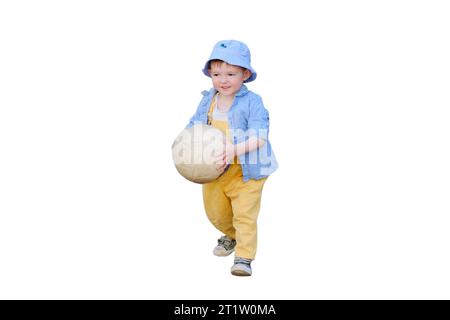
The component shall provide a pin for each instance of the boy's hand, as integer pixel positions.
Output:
(223, 160)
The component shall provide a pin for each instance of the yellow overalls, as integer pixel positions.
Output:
(231, 204)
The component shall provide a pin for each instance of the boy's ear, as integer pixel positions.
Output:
(247, 74)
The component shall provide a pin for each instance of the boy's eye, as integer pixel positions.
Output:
(228, 74)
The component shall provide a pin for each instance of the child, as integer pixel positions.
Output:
(232, 201)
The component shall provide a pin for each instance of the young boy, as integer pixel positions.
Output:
(232, 201)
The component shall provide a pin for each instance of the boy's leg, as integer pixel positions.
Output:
(245, 201)
(218, 208)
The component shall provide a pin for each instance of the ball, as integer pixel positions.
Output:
(195, 150)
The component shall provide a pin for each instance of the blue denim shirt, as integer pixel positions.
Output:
(246, 117)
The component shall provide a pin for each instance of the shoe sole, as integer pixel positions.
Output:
(240, 273)
(226, 254)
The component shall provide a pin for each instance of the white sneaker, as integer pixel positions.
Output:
(241, 267)
(225, 246)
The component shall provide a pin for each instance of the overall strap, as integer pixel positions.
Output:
(211, 108)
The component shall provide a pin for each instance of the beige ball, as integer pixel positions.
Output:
(194, 152)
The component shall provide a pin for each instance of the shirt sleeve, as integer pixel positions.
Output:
(258, 121)
(200, 110)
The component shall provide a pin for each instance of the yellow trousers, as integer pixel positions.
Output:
(232, 206)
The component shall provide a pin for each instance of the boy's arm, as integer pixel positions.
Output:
(195, 118)
(249, 145)
(258, 129)
(200, 110)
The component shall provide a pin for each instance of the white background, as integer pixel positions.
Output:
(92, 94)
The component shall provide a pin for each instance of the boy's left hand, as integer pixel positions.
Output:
(223, 160)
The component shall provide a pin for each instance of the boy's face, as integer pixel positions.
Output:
(228, 79)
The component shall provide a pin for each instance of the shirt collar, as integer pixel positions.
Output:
(242, 91)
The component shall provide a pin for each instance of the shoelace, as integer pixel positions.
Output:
(226, 242)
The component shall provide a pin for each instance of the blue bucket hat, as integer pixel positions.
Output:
(232, 52)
